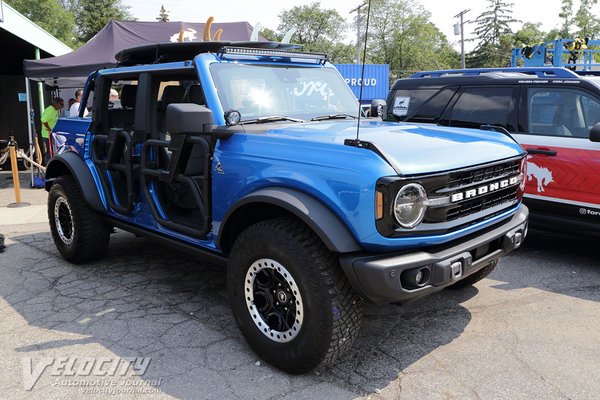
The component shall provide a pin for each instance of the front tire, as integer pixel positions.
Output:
(290, 298)
(79, 232)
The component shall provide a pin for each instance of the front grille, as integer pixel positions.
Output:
(457, 214)
(471, 207)
(463, 180)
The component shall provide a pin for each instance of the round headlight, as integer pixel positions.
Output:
(409, 207)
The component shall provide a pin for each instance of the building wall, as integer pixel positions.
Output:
(13, 113)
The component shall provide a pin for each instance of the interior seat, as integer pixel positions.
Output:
(124, 117)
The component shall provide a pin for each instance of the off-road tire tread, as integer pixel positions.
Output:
(341, 294)
(92, 233)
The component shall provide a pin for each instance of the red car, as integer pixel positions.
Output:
(553, 113)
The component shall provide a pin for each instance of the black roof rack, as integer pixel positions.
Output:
(540, 72)
(169, 52)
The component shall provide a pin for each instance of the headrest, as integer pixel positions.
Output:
(172, 94)
(128, 95)
(196, 95)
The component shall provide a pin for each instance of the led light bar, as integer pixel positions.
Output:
(247, 51)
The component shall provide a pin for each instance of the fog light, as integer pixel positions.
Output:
(415, 278)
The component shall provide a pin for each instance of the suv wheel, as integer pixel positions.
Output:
(475, 277)
(289, 296)
(80, 233)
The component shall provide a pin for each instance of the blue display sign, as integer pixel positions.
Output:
(375, 84)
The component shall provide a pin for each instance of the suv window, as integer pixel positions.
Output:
(419, 105)
(407, 101)
(478, 106)
(561, 112)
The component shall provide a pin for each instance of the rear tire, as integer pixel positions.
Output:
(79, 232)
(475, 277)
(290, 298)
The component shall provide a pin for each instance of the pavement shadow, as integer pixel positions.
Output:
(559, 263)
(148, 300)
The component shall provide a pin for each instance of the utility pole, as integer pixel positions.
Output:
(462, 36)
(357, 9)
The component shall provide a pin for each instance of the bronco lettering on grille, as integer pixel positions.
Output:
(481, 190)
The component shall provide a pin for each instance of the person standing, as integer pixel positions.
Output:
(74, 108)
(49, 119)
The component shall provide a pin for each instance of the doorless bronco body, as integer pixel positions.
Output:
(248, 153)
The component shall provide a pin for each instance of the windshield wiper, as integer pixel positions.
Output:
(272, 118)
(332, 116)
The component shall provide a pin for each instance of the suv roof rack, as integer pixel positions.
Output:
(540, 72)
(167, 52)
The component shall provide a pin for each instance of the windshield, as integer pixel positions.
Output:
(298, 92)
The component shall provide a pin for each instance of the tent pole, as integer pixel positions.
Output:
(40, 85)
(30, 122)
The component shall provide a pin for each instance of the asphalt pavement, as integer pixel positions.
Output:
(153, 323)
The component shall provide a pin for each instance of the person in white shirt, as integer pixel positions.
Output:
(74, 110)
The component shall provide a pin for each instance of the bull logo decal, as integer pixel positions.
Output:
(542, 175)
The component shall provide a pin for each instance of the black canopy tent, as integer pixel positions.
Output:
(71, 70)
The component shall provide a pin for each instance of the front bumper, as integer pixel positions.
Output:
(386, 278)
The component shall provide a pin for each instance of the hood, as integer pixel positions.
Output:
(413, 149)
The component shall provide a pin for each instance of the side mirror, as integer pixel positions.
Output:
(595, 133)
(377, 107)
(188, 118)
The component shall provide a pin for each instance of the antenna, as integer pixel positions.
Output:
(362, 73)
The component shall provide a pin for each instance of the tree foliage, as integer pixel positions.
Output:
(495, 36)
(566, 15)
(94, 14)
(586, 21)
(529, 34)
(50, 16)
(313, 24)
(401, 35)
(317, 29)
(163, 15)
(271, 35)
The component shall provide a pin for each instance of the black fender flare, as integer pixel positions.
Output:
(71, 163)
(312, 212)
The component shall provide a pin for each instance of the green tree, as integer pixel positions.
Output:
(566, 14)
(70, 5)
(163, 15)
(586, 21)
(341, 53)
(401, 35)
(271, 35)
(94, 14)
(317, 29)
(50, 16)
(495, 36)
(529, 34)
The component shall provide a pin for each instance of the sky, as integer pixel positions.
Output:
(266, 12)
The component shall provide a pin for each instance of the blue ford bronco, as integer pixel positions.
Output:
(254, 155)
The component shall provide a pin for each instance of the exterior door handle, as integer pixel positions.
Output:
(539, 151)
